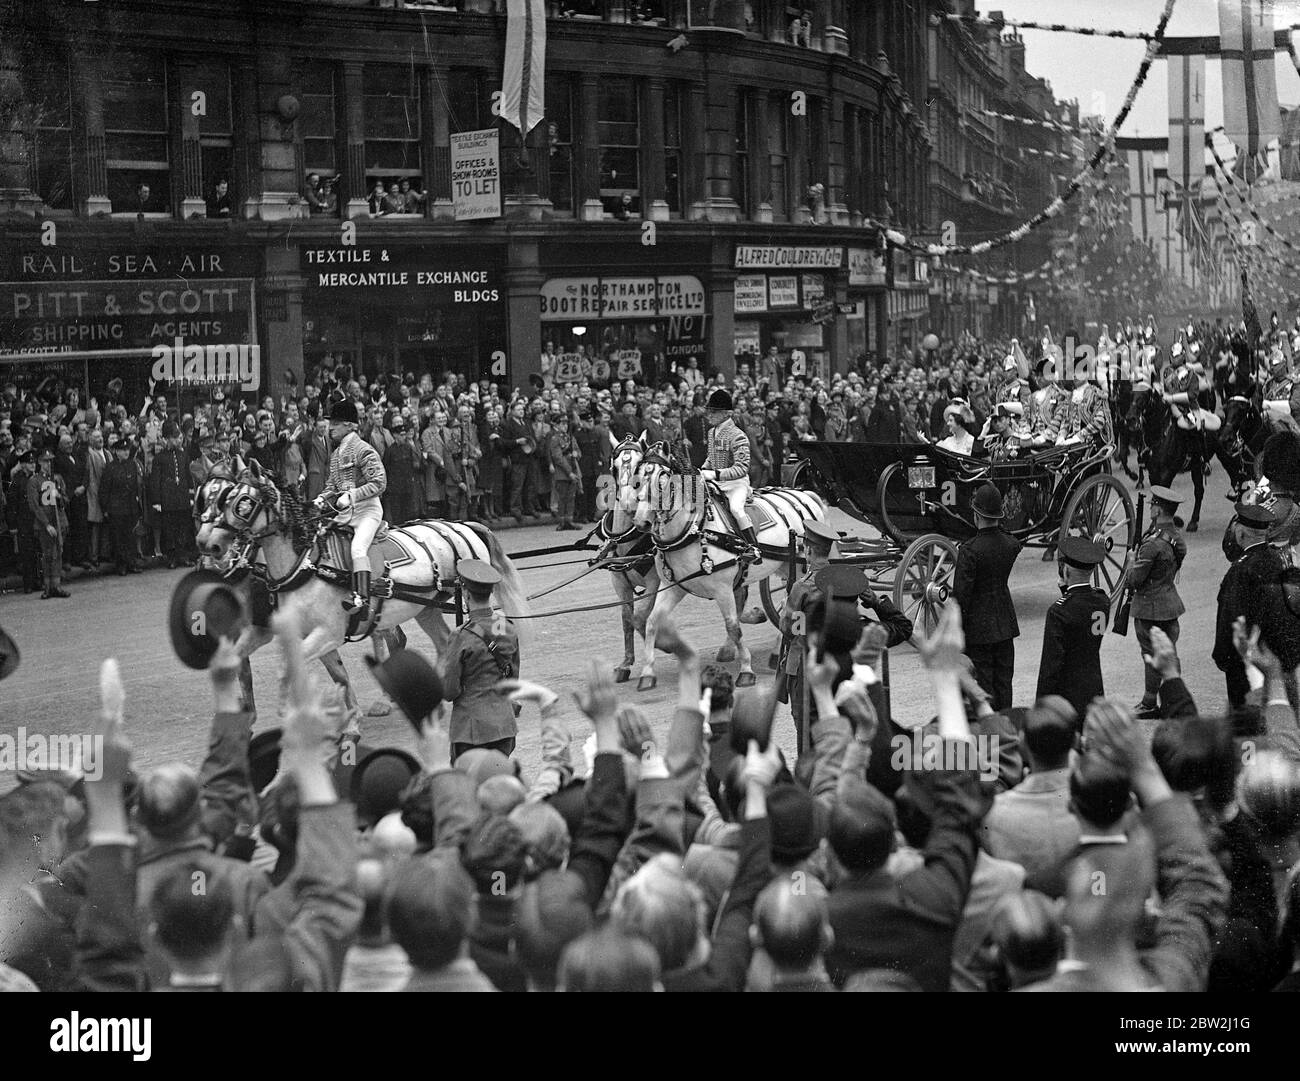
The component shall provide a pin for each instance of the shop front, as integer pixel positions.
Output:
(868, 295)
(181, 317)
(909, 301)
(624, 327)
(786, 297)
(405, 308)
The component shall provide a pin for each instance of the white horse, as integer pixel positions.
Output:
(695, 547)
(414, 573)
(209, 503)
(634, 567)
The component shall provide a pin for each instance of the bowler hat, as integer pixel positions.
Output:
(838, 624)
(377, 782)
(264, 758)
(751, 718)
(204, 609)
(410, 681)
(9, 655)
(988, 501)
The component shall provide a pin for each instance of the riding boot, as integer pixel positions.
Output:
(751, 538)
(359, 602)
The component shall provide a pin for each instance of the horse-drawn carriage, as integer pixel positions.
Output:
(919, 499)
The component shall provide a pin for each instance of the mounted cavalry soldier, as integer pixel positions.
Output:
(727, 464)
(1182, 388)
(356, 481)
(1280, 394)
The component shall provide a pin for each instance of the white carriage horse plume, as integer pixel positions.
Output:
(695, 544)
(414, 566)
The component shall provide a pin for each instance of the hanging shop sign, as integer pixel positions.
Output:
(755, 257)
(867, 267)
(751, 293)
(566, 299)
(476, 174)
(814, 289)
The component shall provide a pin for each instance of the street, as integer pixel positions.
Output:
(168, 705)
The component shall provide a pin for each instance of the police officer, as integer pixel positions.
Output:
(1156, 602)
(1245, 592)
(47, 498)
(988, 615)
(1071, 661)
(171, 494)
(483, 651)
(818, 541)
(120, 494)
(356, 481)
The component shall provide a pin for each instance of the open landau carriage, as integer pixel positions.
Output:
(919, 498)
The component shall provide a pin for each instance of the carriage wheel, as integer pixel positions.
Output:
(772, 591)
(1102, 510)
(908, 519)
(924, 580)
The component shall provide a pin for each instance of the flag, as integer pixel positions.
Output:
(523, 100)
(1142, 191)
(1250, 112)
(1186, 123)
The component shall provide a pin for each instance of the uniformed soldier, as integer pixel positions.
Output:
(483, 651)
(1181, 392)
(727, 463)
(1071, 660)
(979, 586)
(1245, 592)
(28, 546)
(356, 481)
(1003, 434)
(1156, 602)
(818, 540)
(1015, 388)
(47, 498)
(1279, 397)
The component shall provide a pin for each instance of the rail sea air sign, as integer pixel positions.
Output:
(476, 174)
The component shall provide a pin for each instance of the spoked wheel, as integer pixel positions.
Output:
(772, 591)
(924, 581)
(1101, 509)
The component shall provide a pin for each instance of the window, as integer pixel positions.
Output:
(52, 164)
(135, 126)
(559, 138)
(673, 147)
(392, 125)
(469, 100)
(740, 174)
(618, 134)
(216, 129)
(778, 156)
(317, 121)
(814, 145)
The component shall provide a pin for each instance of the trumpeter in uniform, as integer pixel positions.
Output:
(988, 615)
(47, 499)
(356, 482)
(1071, 661)
(727, 463)
(483, 651)
(1156, 602)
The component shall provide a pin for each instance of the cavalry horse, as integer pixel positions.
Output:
(209, 503)
(696, 544)
(414, 568)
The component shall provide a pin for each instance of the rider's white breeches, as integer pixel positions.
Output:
(364, 520)
(737, 493)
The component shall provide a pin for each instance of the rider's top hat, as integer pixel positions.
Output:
(9, 655)
(344, 411)
(1081, 552)
(819, 535)
(410, 681)
(988, 502)
(720, 399)
(204, 609)
(1162, 494)
(476, 574)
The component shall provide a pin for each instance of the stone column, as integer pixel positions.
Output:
(437, 141)
(589, 205)
(280, 195)
(524, 311)
(835, 35)
(653, 205)
(93, 151)
(282, 347)
(192, 202)
(354, 157)
(247, 179)
(695, 194)
(721, 287)
(833, 139)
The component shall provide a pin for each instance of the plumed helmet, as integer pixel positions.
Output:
(720, 399)
(344, 411)
(1280, 461)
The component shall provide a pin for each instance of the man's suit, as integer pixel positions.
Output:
(1251, 588)
(1071, 659)
(988, 614)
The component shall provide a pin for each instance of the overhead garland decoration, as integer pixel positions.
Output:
(1245, 201)
(1052, 125)
(1056, 205)
(1060, 28)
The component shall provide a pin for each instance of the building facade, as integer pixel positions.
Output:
(282, 175)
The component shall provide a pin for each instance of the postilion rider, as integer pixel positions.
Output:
(356, 481)
(727, 464)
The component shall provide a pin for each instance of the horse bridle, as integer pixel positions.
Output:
(662, 464)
